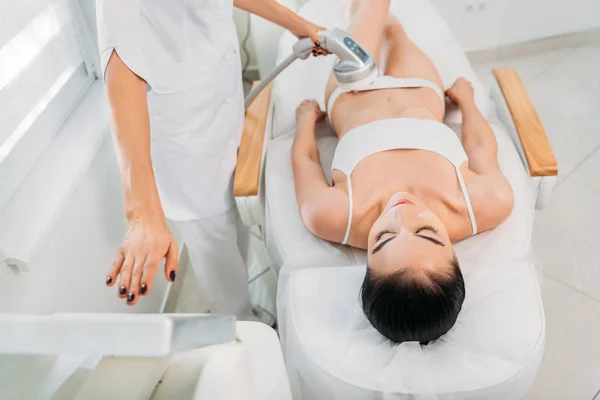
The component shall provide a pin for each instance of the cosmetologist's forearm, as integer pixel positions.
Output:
(131, 133)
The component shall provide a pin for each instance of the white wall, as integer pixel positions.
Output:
(68, 270)
(503, 22)
(499, 22)
(241, 22)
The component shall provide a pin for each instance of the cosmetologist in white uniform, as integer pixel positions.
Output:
(173, 76)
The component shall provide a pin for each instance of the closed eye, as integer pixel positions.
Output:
(421, 229)
(429, 238)
(427, 228)
(380, 234)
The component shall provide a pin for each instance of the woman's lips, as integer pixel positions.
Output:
(403, 201)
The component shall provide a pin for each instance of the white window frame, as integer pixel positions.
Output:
(19, 155)
(47, 164)
(87, 42)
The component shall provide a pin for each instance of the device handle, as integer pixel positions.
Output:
(303, 47)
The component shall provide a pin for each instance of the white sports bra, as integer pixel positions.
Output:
(394, 134)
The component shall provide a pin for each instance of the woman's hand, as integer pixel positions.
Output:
(146, 243)
(308, 29)
(309, 111)
(461, 92)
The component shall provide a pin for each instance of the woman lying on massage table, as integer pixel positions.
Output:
(404, 186)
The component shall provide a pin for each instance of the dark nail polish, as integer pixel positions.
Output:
(130, 297)
(144, 288)
(122, 290)
(172, 276)
(108, 280)
(318, 44)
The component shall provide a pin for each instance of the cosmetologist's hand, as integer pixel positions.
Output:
(312, 31)
(147, 242)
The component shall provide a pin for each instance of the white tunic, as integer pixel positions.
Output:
(187, 51)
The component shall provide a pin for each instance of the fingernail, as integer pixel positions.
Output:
(122, 290)
(143, 288)
(108, 280)
(314, 52)
(172, 275)
(130, 297)
(318, 44)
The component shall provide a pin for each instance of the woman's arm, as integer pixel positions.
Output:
(280, 15)
(323, 208)
(478, 139)
(490, 191)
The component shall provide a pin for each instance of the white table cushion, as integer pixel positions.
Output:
(332, 351)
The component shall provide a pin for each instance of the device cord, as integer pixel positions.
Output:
(269, 78)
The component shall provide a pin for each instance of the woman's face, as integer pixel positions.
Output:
(408, 234)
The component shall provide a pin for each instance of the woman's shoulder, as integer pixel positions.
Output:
(326, 216)
(491, 197)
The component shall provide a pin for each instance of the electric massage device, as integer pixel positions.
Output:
(355, 69)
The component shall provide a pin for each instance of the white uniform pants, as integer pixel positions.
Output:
(218, 265)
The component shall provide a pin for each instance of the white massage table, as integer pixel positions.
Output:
(139, 357)
(331, 351)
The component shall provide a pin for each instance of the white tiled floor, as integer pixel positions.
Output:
(565, 88)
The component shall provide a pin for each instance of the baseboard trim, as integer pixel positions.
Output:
(531, 47)
(252, 73)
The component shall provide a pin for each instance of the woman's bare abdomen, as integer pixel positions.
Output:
(352, 110)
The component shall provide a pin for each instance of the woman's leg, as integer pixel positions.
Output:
(368, 22)
(406, 59)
